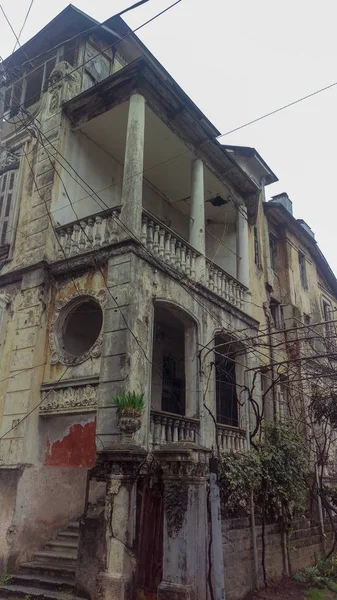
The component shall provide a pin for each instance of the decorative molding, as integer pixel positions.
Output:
(8, 160)
(69, 400)
(64, 83)
(176, 500)
(4, 299)
(62, 309)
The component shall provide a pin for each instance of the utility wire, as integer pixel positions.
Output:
(10, 25)
(98, 53)
(36, 406)
(23, 25)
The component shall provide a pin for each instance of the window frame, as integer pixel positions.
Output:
(10, 110)
(302, 269)
(330, 330)
(273, 250)
(257, 252)
(278, 318)
(7, 209)
(222, 418)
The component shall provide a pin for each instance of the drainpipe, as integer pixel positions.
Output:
(2, 99)
(271, 354)
(320, 509)
(252, 506)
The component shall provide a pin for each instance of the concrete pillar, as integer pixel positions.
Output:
(242, 246)
(120, 469)
(132, 190)
(197, 216)
(185, 523)
(191, 371)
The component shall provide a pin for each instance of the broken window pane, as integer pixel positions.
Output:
(33, 86)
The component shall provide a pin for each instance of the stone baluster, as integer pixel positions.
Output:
(98, 234)
(150, 235)
(143, 235)
(188, 262)
(187, 430)
(113, 228)
(169, 430)
(91, 223)
(83, 236)
(163, 429)
(211, 279)
(168, 247)
(178, 255)
(173, 251)
(183, 258)
(67, 246)
(61, 236)
(181, 430)
(193, 265)
(161, 251)
(152, 432)
(75, 239)
(175, 435)
(157, 430)
(156, 239)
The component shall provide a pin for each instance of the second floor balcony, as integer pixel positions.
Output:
(137, 174)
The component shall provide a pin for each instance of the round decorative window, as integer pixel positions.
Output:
(76, 332)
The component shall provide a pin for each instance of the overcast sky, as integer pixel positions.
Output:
(238, 60)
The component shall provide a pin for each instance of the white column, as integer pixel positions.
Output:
(197, 220)
(132, 191)
(242, 246)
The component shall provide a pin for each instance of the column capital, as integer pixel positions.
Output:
(186, 463)
(119, 462)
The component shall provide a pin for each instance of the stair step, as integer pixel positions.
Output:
(59, 557)
(20, 591)
(70, 534)
(42, 581)
(59, 544)
(73, 525)
(66, 572)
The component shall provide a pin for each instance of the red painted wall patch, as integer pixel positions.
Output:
(77, 449)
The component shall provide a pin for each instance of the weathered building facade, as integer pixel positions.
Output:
(128, 251)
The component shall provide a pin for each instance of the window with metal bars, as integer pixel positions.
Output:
(257, 258)
(226, 396)
(7, 191)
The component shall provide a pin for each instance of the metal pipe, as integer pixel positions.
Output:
(252, 505)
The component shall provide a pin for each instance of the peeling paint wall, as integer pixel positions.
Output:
(69, 441)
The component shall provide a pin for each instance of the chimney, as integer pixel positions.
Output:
(284, 200)
(306, 227)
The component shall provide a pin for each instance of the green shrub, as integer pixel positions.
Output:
(129, 403)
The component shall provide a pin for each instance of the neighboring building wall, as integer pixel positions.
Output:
(304, 545)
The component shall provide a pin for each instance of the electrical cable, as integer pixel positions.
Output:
(23, 25)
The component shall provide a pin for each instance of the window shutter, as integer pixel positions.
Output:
(7, 185)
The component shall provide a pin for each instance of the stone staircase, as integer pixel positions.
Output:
(51, 573)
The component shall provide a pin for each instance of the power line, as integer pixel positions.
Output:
(98, 53)
(23, 25)
(37, 405)
(10, 25)
(273, 112)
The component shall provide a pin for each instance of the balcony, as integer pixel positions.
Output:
(168, 246)
(230, 439)
(182, 210)
(89, 233)
(167, 427)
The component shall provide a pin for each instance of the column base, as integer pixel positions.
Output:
(113, 587)
(175, 591)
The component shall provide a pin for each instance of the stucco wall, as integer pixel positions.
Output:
(101, 172)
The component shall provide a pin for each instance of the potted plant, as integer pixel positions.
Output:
(130, 406)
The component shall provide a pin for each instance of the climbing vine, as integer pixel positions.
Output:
(273, 474)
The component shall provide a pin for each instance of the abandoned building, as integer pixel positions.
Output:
(132, 244)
